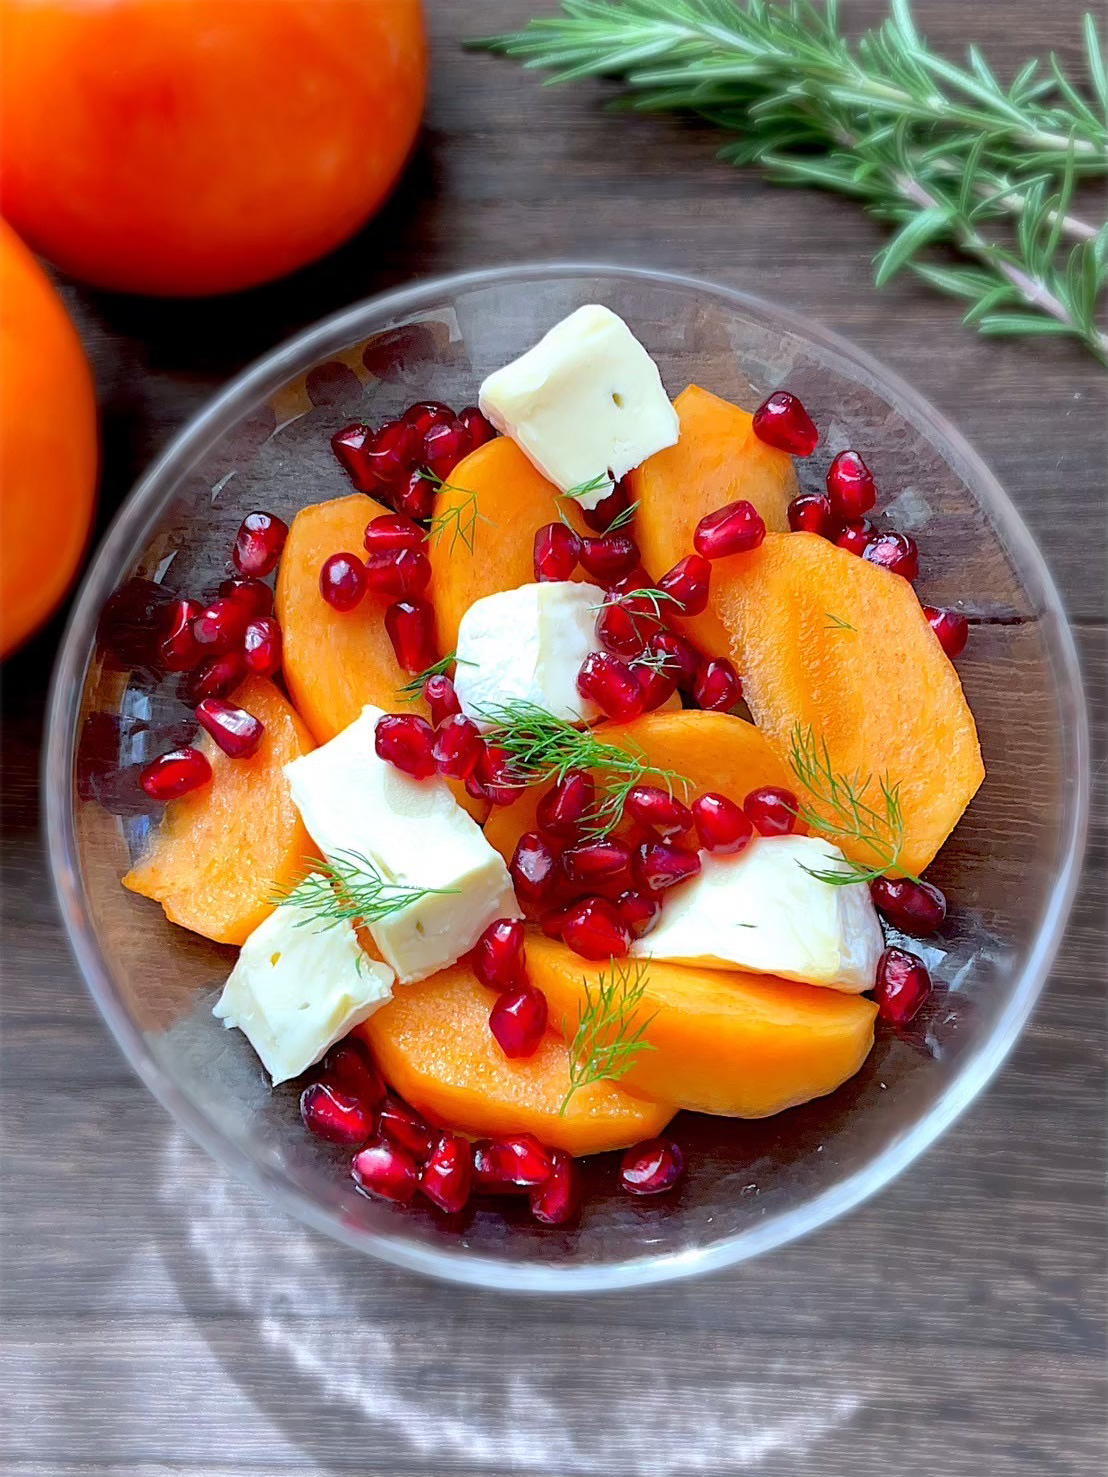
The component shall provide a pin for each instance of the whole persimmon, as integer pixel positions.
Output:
(48, 444)
(186, 147)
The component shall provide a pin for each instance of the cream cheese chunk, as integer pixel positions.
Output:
(763, 912)
(298, 987)
(528, 645)
(586, 402)
(412, 833)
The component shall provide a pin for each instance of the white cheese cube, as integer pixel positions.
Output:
(762, 911)
(587, 401)
(415, 834)
(528, 645)
(298, 987)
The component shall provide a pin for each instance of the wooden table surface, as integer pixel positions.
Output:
(159, 1319)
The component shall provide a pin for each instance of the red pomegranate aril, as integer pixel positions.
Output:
(595, 930)
(402, 1125)
(687, 585)
(603, 514)
(518, 1021)
(397, 572)
(440, 697)
(342, 581)
(659, 809)
(237, 732)
(393, 531)
(552, 921)
(591, 863)
(611, 684)
(386, 1171)
(477, 428)
(733, 529)
(334, 1116)
(772, 811)
(682, 658)
(811, 512)
(855, 535)
(392, 453)
(718, 686)
(214, 677)
(661, 864)
(406, 741)
(410, 624)
(258, 543)
(558, 1199)
(557, 552)
(850, 485)
(562, 810)
(498, 957)
(444, 446)
(220, 626)
(895, 552)
(349, 1067)
(494, 776)
(457, 747)
(447, 1177)
(261, 646)
(639, 911)
(913, 907)
(175, 773)
(535, 869)
(657, 683)
(634, 579)
(619, 630)
(414, 497)
(179, 650)
(721, 825)
(651, 1168)
(351, 446)
(507, 1165)
(425, 414)
(609, 557)
(903, 984)
(252, 594)
(950, 626)
(782, 421)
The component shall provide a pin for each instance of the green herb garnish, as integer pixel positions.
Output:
(460, 519)
(836, 623)
(413, 688)
(348, 888)
(609, 1034)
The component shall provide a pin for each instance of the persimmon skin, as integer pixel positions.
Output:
(197, 146)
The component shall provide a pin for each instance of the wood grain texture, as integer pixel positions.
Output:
(160, 1319)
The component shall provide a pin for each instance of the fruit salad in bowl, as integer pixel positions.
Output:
(546, 783)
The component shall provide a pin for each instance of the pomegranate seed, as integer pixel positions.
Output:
(811, 512)
(718, 686)
(414, 497)
(478, 430)
(383, 1170)
(721, 825)
(551, 923)
(425, 414)
(659, 809)
(402, 1125)
(609, 557)
(558, 1199)
(618, 630)
(494, 774)
(175, 773)
(913, 907)
(772, 811)
(407, 741)
(535, 870)
(639, 911)
(895, 552)
(594, 862)
(131, 622)
(635, 579)
(252, 594)
(733, 529)
(557, 552)
(611, 684)
(411, 628)
(658, 684)
(855, 535)
(601, 517)
(518, 1021)
(237, 732)
(783, 422)
(457, 747)
(682, 658)
(661, 864)
(391, 453)
(333, 1116)
(258, 544)
(179, 650)
(651, 1168)
(398, 572)
(850, 485)
(220, 626)
(444, 446)
(351, 446)
(261, 646)
(393, 531)
(440, 697)
(515, 1162)
(448, 1174)
(687, 584)
(498, 957)
(562, 810)
(342, 581)
(595, 930)
(903, 984)
(215, 677)
(349, 1067)
(951, 627)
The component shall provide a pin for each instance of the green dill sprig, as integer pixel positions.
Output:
(460, 519)
(610, 1028)
(349, 888)
(652, 597)
(412, 690)
(836, 623)
(624, 519)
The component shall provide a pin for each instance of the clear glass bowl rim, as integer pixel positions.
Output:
(133, 525)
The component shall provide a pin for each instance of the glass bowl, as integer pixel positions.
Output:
(1009, 870)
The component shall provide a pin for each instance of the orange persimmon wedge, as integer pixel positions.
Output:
(433, 1044)
(724, 1042)
(717, 460)
(223, 851)
(836, 650)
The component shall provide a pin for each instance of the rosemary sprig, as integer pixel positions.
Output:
(947, 154)
(460, 519)
(413, 688)
(610, 1030)
(349, 888)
